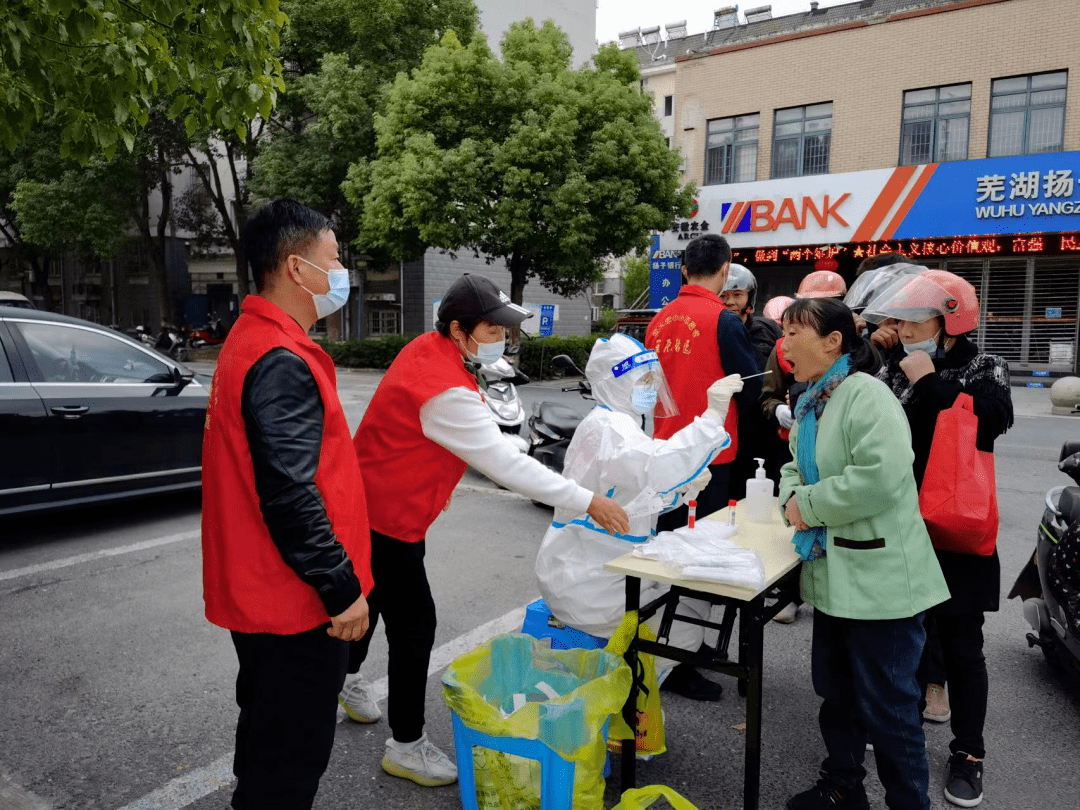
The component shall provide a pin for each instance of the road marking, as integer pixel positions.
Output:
(191, 787)
(78, 559)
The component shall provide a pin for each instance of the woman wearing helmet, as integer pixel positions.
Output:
(935, 311)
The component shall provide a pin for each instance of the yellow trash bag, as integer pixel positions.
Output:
(643, 797)
(649, 734)
(517, 686)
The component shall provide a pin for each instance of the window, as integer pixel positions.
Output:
(1027, 114)
(801, 139)
(669, 105)
(935, 125)
(383, 322)
(72, 354)
(731, 146)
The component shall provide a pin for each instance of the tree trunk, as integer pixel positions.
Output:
(518, 268)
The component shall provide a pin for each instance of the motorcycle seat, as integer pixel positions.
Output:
(1069, 505)
(559, 418)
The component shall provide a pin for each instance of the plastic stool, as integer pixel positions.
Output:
(556, 774)
(539, 623)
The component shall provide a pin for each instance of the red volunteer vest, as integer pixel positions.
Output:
(683, 334)
(247, 586)
(409, 478)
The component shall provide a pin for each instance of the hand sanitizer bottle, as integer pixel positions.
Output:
(760, 503)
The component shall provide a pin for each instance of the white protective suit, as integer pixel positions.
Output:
(611, 454)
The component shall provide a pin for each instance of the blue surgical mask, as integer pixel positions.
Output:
(486, 353)
(643, 400)
(929, 346)
(331, 301)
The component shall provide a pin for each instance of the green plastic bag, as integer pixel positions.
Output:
(643, 797)
(517, 686)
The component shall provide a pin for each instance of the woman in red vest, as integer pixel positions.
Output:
(426, 423)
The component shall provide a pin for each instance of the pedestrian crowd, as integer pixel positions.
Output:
(312, 534)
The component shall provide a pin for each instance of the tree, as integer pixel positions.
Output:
(339, 57)
(523, 160)
(98, 66)
(635, 278)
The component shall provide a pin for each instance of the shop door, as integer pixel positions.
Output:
(1029, 310)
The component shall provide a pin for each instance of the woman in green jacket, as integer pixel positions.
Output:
(869, 569)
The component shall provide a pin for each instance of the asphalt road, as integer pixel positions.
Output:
(116, 694)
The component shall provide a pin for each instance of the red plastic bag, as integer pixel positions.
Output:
(958, 498)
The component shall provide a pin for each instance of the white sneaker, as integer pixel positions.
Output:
(358, 702)
(787, 614)
(421, 762)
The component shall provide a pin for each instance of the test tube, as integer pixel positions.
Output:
(692, 513)
(731, 512)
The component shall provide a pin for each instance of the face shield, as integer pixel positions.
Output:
(914, 299)
(649, 388)
(867, 286)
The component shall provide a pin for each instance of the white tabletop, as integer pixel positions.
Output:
(772, 541)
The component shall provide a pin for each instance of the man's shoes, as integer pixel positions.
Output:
(419, 761)
(686, 681)
(358, 702)
(963, 780)
(937, 704)
(787, 614)
(826, 795)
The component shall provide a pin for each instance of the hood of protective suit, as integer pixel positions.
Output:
(616, 365)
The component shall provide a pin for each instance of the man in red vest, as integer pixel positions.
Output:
(286, 545)
(425, 424)
(700, 341)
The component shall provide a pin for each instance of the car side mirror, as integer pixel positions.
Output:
(182, 376)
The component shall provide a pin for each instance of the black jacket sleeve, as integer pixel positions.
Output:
(283, 417)
(737, 356)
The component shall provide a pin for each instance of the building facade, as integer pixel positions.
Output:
(945, 130)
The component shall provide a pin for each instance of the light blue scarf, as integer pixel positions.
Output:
(810, 543)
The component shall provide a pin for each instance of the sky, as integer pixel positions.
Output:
(613, 16)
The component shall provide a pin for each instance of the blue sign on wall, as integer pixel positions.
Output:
(1018, 194)
(665, 274)
(547, 320)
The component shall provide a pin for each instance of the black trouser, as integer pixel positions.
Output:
(961, 637)
(864, 671)
(711, 499)
(402, 597)
(287, 693)
(933, 657)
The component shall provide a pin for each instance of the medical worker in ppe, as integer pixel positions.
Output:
(610, 453)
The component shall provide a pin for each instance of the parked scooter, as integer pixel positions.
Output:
(173, 342)
(1054, 633)
(211, 334)
(501, 397)
(552, 426)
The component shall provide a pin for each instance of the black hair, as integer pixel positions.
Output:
(467, 323)
(277, 230)
(828, 315)
(879, 261)
(705, 255)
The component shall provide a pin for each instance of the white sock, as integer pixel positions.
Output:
(405, 748)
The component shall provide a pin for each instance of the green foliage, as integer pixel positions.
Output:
(376, 352)
(97, 67)
(521, 159)
(538, 350)
(608, 318)
(635, 277)
(340, 55)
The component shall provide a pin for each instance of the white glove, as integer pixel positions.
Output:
(784, 417)
(698, 484)
(719, 396)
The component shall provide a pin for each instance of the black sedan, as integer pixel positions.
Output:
(88, 414)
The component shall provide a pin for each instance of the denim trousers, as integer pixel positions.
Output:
(402, 597)
(864, 672)
(287, 692)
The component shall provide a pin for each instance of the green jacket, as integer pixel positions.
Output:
(878, 561)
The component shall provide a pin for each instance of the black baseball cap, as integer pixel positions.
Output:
(478, 297)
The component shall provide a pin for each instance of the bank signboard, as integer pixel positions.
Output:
(1022, 194)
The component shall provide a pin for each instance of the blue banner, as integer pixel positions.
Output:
(665, 274)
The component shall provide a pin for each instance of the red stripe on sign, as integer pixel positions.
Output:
(909, 201)
(865, 231)
(733, 217)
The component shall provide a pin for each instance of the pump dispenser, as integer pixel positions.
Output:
(759, 495)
